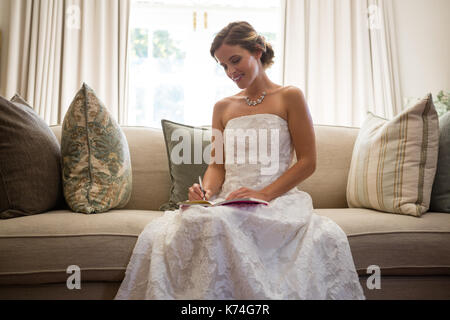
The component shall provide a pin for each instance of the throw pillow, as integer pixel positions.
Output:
(96, 158)
(187, 149)
(440, 195)
(30, 162)
(18, 99)
(394, 162)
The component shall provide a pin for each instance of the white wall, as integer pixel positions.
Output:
(423, 33)
(4, 27)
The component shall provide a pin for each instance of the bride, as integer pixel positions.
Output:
(279, 251)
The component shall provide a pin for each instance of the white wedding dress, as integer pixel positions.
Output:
(279, 251)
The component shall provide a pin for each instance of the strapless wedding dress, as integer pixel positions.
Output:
(280, 251)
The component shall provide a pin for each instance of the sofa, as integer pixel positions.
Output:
(411, 254)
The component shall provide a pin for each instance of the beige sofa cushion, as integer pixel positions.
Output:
(394, 162)
(38, 249)
(398, 244)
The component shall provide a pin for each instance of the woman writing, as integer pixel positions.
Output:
(280, 251)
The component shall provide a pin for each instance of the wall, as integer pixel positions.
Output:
(4, 27)
(423, 33)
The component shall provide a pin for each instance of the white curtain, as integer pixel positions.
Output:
(56, 45)
(342, 54)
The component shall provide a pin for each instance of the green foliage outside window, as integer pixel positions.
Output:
(442, 102)
(139, 40)
(164, 47)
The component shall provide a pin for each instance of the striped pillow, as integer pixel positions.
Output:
(394, 161)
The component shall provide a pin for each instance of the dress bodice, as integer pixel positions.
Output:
(258, 149)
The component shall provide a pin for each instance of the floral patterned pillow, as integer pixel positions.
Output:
(96, 161)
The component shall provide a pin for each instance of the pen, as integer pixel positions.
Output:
(201, 186)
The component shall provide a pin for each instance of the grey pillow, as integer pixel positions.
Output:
(30, 162)
(186, 173)
(440, 194)
(18, 99)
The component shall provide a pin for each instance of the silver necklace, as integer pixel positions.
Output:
(257, 101)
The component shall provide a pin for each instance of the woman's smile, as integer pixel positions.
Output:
(237, 78)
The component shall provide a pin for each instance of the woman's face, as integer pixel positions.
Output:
(239, 64)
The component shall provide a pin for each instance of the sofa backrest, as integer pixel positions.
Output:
(151, 179)
(328, 184)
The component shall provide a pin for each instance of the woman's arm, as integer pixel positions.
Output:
(215, 173)
(213, 179)
(303, 137)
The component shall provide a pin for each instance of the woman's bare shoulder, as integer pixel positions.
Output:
(291, 91)
(281, 97)
(222, 105)
(293, 97)
(220, 109)
(227, 102)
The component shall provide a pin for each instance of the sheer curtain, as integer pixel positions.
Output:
(56, 45)
(342, 54)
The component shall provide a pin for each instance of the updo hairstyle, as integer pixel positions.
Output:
(242, 33)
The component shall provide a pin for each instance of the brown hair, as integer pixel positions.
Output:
(242, 33)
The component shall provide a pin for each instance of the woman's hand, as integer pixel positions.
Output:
(247, 193)
(195, 193)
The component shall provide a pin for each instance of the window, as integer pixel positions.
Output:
(172, 74)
